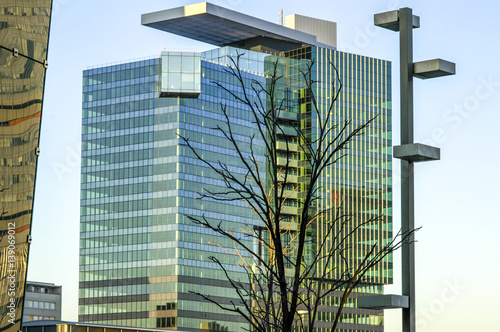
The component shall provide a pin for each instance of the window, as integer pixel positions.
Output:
(161, 322)
(165, 322)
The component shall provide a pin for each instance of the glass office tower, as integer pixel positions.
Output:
(140, 257)
(24, 33)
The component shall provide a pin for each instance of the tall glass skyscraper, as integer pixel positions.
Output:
(24, 34)
(140, 257)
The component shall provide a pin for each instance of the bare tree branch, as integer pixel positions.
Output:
(295, 266)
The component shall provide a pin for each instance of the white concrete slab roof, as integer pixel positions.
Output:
(219, 26)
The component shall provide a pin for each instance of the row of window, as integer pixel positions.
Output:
(131, 307)
(156, 288)
(119, 207)
(122, 224)
(205, 124)
(127, 189)
(195, 168)
(124, 173)
(211, 153)
(40, 305)
(148, 255)
(32, 318)
(119, 192)
(116, 240)
(122, 108)
(209, 178)
(127, 156)
(102, 248)
(119, 124)
(145, 87)
(119, 92)
(25, 10)
(219, 75)
(122, 273)
(129, 139)
(23, 160)
(144, 236)
(167, 306)
(27, 138)
(213, 141)
(133, 224)
(165, 322)
(8, 180)
(42, 290)
(165, 270)
(124, 256)
(120, 84)
(234, 209)
(92, 78)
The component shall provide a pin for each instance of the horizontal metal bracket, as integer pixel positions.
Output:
(416, 152)
(433, 68)
(390, 20)
(388, 301)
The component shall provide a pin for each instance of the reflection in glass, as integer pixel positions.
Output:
(174, 81)
(174, 63)
(187, 81)
(188, 64)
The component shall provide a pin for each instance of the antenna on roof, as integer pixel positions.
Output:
(281, 17)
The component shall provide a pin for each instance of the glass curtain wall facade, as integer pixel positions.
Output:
(362, 180)
(360, 183)
(24, 33)
(139, 256)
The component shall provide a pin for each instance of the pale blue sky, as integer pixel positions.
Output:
(456, 198)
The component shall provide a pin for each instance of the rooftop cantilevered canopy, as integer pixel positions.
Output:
(219, 26)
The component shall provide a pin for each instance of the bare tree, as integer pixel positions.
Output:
(292, 269)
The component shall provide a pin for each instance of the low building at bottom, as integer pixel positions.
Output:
(42, 301)
(141, 258)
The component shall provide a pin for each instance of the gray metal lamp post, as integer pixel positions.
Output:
(404, 21)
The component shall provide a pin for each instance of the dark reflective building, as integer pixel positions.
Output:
(24, 33)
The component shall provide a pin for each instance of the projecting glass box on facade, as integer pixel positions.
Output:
(180, 74)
